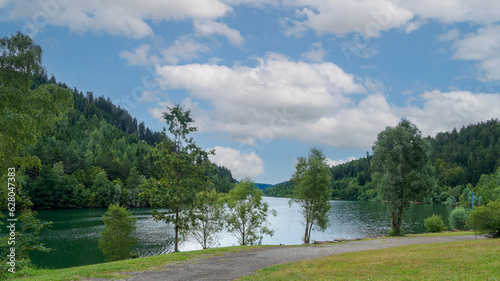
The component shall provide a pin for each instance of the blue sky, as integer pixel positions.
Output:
(266, 80)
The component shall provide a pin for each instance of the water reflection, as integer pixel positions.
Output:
(76, 232)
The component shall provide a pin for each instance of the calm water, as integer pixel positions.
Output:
(75, 233)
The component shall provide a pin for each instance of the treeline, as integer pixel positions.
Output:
(464, 161)
(96, 156)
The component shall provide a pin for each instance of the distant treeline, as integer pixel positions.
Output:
(97, 155)
(464, 161)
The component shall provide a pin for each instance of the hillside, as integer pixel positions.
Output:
(97, 155)
(464, 161)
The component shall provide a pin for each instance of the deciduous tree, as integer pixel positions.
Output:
(247, 213)
(183, 173)
(401, 169)
(312, 191)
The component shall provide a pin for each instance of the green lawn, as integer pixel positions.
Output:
(474, 260)
(467, 260)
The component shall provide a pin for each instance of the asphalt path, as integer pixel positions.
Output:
(234, 265)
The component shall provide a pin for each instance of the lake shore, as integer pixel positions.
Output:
(230, 263)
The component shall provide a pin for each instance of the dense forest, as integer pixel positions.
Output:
(464, 161)
(95, 156)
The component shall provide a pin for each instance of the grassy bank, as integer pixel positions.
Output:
(467, 260)
(117, 269)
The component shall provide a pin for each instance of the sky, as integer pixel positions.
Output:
(267, 80)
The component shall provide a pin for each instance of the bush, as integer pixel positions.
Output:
(458, 218)
(117, 240)
(434, 223)
(486, 219)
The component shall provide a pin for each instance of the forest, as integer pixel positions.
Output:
(95, 156)
(465, 161)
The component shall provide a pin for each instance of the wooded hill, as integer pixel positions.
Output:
(97, 155)
(465, 160)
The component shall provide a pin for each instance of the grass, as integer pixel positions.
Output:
(441, 234)
(467, 260)
(117, 269)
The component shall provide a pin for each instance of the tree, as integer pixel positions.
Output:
(401, 169)
(247, 213)
(27, 239)
(183, 171)
(117, 240)
(208, 219)
(312, 191)
(486, 219)
(458, 218)
(25, 113)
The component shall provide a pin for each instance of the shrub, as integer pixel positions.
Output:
(117, 240)
(434, 223)
(458, 218)
(486, 219)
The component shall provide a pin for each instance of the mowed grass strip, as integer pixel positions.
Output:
(119, 268)
(467, 260)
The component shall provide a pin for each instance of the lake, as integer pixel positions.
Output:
(75, 233)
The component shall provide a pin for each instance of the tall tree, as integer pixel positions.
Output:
(25, 113)
(401, 168)
(183, 171)
(312, 191)
(247, 213)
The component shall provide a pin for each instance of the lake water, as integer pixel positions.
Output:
(75, 233)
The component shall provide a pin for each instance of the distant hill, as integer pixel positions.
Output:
(98, 154)
(463, 161)
(262, 186)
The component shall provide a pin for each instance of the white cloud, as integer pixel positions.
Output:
(453, 11)
(241, 164)
(333, 163)
(118, 17)
(210, 27)
(140, 56)
(445, 111)
(316, 54)
(484, 47)
(183, 49)
(451, 35)
(279, 98)
(369, 17)
(375, 16)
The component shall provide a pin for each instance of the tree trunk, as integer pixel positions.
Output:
(396, 222)
(176, 247)
(306, 234)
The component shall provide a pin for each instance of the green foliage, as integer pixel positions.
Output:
(451, 201)
(183, 170)
(434, 223)
(312, 191)
(27, 231)
(247, 214)
(117, 240)
(25, 113)
(208, 219)
(284, 189)
(486, 219)
(458, 218)
(401, 168)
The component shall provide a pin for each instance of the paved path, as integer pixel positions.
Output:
(233, 265)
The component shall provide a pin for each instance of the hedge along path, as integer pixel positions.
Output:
(234, 265)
